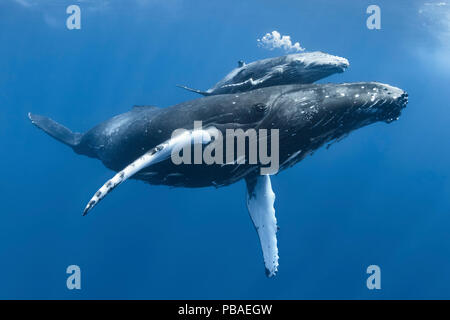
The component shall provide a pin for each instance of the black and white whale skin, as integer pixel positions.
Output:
(137, 144)
(299, 68)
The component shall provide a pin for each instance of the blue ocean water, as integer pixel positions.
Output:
(378, 197)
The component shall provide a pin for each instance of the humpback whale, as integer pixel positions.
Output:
(137, 144)
(299, 68)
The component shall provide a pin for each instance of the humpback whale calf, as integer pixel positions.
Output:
(138, 143)
(299, 68)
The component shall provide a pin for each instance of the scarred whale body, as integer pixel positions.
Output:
(138, 144)
(307, 117)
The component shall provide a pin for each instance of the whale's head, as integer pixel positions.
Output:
(309, 116)
(312, 66)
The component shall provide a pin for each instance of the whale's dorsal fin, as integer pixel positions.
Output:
(159, 153)
(260, 200)
(241, 63)
(204, 93)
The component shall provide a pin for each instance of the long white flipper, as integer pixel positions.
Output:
(260, 200)
(157, 154)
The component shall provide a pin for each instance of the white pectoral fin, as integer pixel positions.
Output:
(159, 153)
(260, 200)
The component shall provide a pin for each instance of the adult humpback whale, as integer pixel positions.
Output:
(299, 68)
(138, 143)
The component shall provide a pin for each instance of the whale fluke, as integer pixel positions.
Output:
(56, 130)
(260, 200)
(159, 153)
(204, 93)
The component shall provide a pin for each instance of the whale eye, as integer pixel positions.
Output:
(260, 107)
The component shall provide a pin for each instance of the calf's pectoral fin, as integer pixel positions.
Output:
(159, 153)
(260, 200)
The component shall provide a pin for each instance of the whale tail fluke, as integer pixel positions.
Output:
(204, 93)
(54, 129)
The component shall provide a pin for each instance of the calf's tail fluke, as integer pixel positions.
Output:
(203, 93)
(55, 130)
